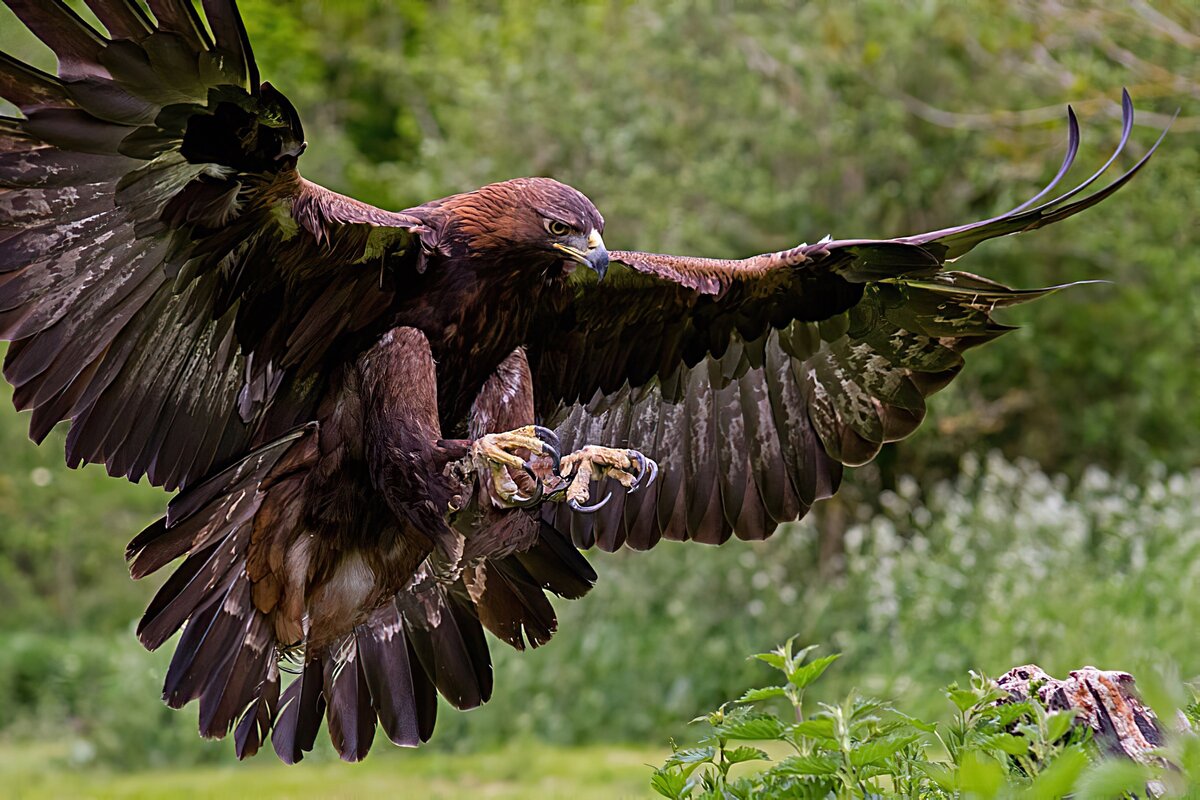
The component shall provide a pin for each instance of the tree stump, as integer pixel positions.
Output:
(1104, 700)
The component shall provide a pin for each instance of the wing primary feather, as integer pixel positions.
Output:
(77, 44)
(230, 33)
(1126, 130)
(124, 19)
(1073, 139)
(27, 87)
(179, 16)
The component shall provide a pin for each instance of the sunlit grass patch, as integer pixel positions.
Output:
(38, 772)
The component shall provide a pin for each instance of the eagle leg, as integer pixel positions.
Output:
(498, 459)
(629, 468)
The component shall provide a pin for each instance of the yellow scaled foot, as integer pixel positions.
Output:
(496, 458)
(629, 468)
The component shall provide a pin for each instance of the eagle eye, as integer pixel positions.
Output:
(556, 228)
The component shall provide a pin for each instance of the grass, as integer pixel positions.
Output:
(40, 772)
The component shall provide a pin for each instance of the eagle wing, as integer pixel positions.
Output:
(753, 382)
(169, 282)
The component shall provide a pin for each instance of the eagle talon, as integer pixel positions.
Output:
(550, 444)
(582, 509)
(516, 501)
(547, 436)
(645, 466)
(553, 453)
(631, 469)
(495, 458)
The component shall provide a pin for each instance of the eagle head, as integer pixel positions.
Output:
(538, 221)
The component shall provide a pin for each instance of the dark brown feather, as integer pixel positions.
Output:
(124, 19)
(300, 710)
(77, 44)
(349, 713)
(384, 656)
(259, 717)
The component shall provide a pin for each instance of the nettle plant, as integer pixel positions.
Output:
(863, 748)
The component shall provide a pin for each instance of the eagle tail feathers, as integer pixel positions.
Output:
(224, 595)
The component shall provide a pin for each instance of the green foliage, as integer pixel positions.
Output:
(861, 748)
(61, 536)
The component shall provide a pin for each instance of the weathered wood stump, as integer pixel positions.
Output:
(1104, 700)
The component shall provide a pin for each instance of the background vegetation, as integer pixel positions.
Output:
(1046, 511)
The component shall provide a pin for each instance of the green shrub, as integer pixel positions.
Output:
(862, 748)
(100, 691)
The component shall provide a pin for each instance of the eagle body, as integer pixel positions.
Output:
(385, 426)
(480, 265)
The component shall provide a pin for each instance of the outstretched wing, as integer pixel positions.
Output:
(753, 382)
(169, 282)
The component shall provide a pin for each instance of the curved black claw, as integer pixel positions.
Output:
(640, 460)
(592, 508)
(536, 498)
(547, 435)
(653, 473)
(645, 465)
(550, 445)
(555, 456)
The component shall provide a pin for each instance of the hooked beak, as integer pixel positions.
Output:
(595, 257)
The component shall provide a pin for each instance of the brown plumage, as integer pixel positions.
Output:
(313, 373)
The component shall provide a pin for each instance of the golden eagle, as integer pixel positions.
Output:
(363, 410)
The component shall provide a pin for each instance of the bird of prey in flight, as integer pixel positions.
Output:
(391, 430)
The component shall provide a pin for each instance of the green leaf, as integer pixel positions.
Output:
(863, 709)
(1058, 723)
(1008, 743)
(962, 698)
(1114, 778)
(980, 775)
(942, 774)
(671, 783)
(816, 764)
(805, 675)
(1009, 713)
(753, 728)
(872, 752)
(693, 755)
(774, 659)
(921, 725)
(814, 729)
(1058, 779)
(765, 693)
(740, 754)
